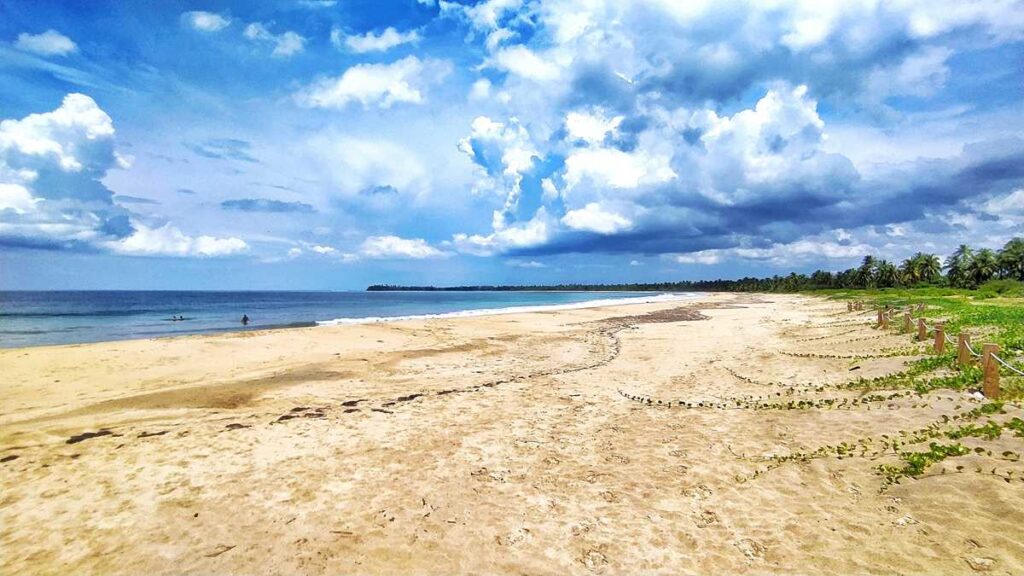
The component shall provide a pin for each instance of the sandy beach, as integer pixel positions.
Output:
(610, 440)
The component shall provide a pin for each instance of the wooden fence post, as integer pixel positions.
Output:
(940, 338)
(922, 330)
(878, 324)
(849, 306)
(906, 322)
(885, 320)
(963, 352)
(990, 370)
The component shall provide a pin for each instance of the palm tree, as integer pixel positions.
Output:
(866, 272)
(929, 267)
(1011, 259)
(982, 267)
(886, 275)
(908, 270)
(957, 266)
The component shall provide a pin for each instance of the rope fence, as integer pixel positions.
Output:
(966, 354)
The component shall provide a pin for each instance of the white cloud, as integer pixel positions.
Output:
(919, 74)
(17, 198)
(1011, 204)
(323, 249)
(549, 193)
(371, 42)
(706, 257)
(594, 218)
(617, 169)
(382, 85)
(505, 152)
(383, 247)
(63, 134)
(522, 61)
(206, 21)
(49, 43)
(51, 165)
(529, 234)
(591, 128)
(525, 264)
(170, 241)
(484, 15)
(352, 165)
(481, 90)
(780, 254)
(286, 44)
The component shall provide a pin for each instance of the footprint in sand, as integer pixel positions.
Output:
(706, 518)
(752, 549)
(594, 558)
(700, 491)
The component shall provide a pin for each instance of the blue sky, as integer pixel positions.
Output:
(307, 144)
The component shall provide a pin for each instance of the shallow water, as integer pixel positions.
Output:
(44, 318)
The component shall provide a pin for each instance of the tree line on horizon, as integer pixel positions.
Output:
(964, 268)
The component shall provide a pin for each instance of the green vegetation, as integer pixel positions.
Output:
(965, 269)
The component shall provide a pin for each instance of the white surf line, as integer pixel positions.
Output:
(517, 309)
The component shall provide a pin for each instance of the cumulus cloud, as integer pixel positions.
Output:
(370, 42)
(1009, 204)
(49, 43)
(205, 21)
(382, 85)
(614, 168)
(523, 236)
(504, 151)
(52, 194)
(16, 198)
(481, 89)
(51, 167)
(523, 62)
(285, 44)
(595, 218)
(167, 240)
(591, 128)
(387, 247)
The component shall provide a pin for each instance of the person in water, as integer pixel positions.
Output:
(245, 320)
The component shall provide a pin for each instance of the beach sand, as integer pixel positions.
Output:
(521, 443)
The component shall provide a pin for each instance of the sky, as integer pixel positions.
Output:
(332, 144)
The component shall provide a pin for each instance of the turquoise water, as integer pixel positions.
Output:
(44, 318)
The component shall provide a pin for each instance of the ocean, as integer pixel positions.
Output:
(73, 317)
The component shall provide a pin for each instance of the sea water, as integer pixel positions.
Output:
(45, 318)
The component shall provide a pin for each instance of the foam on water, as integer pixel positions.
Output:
(513, 309)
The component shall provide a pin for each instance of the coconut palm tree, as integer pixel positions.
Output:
(886, 275)
(983, 267)
(1011, 259)
(957, 265)
(908, 271)
(866, 272)
(929, 268)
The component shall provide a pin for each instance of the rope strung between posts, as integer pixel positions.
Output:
(1007, 366)
(971, 350)
(948, 339)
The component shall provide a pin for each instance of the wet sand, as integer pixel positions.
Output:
(610, 440)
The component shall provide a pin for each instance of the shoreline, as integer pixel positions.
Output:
(344, 321)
